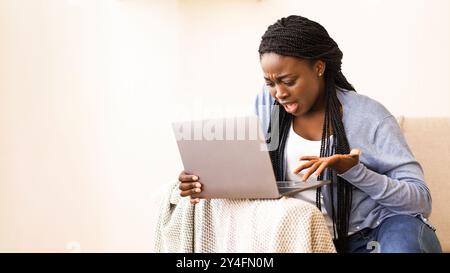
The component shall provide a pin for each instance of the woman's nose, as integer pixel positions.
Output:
(280, 94)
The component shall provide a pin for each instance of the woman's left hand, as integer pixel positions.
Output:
(338, 162)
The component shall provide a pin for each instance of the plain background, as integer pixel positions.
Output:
(88, 89)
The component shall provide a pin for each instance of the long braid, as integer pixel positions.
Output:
(276, 156)
(297, 36)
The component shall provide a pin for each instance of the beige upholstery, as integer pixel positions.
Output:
(429, 140)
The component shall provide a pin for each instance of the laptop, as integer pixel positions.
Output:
(231, 158)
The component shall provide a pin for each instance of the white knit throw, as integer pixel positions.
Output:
(240, 225)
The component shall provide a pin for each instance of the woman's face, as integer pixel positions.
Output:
(295, 83)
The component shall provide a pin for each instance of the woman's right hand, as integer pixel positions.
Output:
(189, 185)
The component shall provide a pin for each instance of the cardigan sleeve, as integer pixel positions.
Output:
(398, 182)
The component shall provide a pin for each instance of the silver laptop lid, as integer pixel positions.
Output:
(229, 156)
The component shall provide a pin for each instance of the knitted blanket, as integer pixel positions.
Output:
(240, 225)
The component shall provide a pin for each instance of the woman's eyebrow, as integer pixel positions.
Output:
(279, 77)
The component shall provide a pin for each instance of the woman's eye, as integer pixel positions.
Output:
(269, 84)
(290, 83)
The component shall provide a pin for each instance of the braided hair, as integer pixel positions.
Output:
(297, 36)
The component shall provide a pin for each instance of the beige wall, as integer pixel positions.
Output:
(79, 82)
(88, 89)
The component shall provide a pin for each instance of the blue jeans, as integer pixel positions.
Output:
(400, 233)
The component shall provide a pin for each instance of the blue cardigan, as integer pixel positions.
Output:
(388, 179)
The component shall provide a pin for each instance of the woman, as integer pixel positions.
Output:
(378, 197)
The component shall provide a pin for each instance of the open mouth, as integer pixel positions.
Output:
(290, 107)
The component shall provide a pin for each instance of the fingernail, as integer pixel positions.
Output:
(195, 178)
(198, 190)
(198, 185)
